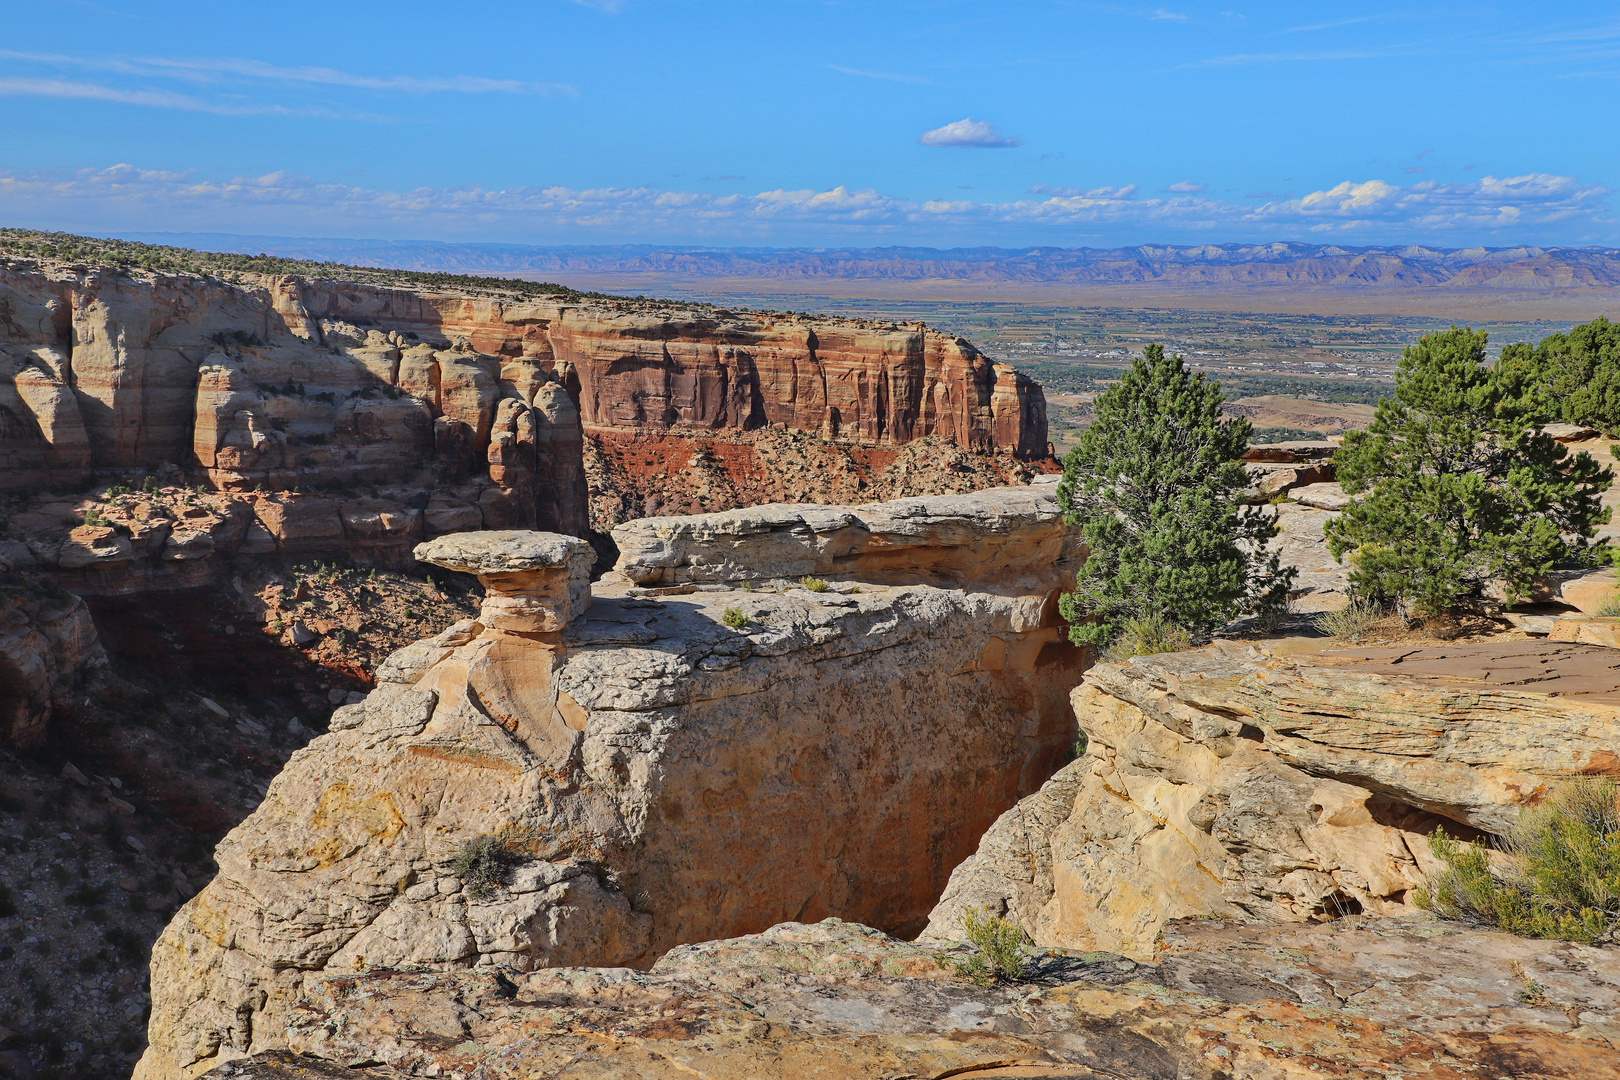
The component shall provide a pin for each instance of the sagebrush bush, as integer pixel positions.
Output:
(1561, 877)
(485, 863)
(814, 584)
(1351, 621)
(998, 946)
(1610, 607)
(1146, 636)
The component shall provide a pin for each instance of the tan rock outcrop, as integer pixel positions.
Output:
(1230, 782)
(49, 654)
(668, 775)
(534, 583)
(1383, 998)
(1004, 533)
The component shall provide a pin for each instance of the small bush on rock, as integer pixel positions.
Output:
(998, 947)
(814, 584)
(734, 618)
(484, 863)
(1147, 636)
(1351, 621)
(1562, 872)
(1610, 607)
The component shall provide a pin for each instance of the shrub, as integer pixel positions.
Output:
(484, 863)
(1153, 487)
(998, 948)
(814, 584)
(1147, 636)
(1463, 487)
(1562, 873)
(734, 618)
(1351, 621)
(1610, 608)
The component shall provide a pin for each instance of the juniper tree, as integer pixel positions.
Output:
(1574, 377)
(1460, 485)
(1153, 486)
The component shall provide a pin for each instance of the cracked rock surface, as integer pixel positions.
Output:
(1363, 999)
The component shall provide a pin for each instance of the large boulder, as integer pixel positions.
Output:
(672, 765)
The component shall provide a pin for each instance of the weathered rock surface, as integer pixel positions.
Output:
(1375, 999)
(1231, 782)
(1004, 533)
(668, 779)
(534, 582)
(49, 654)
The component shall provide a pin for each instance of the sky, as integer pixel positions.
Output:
(816, 123)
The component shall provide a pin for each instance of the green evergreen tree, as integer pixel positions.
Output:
(1461, 485)
(1575, 376)
(1153, 487)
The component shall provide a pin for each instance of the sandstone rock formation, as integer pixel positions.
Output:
(1233, 782)
(49, 653)
(676, 764)
(286, 380)
(1382, 998)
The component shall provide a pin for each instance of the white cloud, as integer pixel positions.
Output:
(1187, 187)
(1161, 13)
(968, 132)
(1535, 208)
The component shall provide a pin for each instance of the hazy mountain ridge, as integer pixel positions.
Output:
(1289, 264)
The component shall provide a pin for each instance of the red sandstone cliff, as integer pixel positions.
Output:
(652, 368)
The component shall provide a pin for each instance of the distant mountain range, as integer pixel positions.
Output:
(1517, 269)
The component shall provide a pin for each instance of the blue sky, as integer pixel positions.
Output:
(816, 122)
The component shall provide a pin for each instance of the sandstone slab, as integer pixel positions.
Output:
(836, 1000)
(1230, 782)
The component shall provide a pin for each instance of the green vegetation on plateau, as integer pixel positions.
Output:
(155, 258)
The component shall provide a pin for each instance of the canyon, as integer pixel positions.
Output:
(762, 674)
(276, 382)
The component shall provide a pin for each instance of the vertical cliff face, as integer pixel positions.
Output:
(668, 368)
(241, 385)
(284, 383)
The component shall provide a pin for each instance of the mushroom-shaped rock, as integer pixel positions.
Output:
(534, 582)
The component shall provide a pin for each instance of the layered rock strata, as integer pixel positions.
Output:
(1381, 998)
(674, 764)
(278, 382)
(1237, 783)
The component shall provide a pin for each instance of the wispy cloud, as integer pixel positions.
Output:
(1292, 58)
(1333, 25)
(968, 132)
(1536, 208)
(1187, 187)
(885, 75)
(1175, 16)
(160, 99)
(214, 69)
